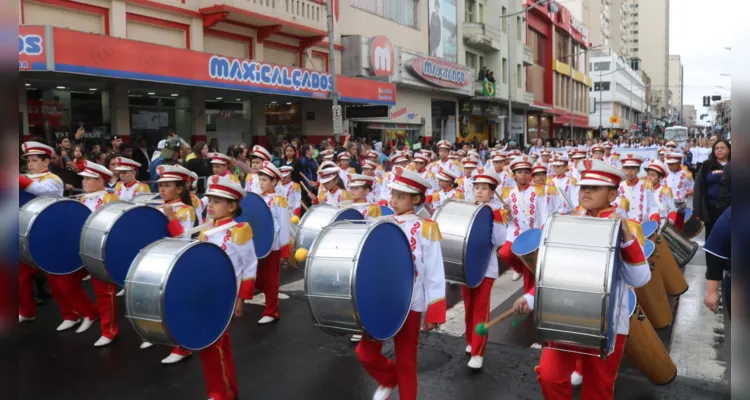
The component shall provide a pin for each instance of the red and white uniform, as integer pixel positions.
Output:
(385, 191)
(680, 182)
(334, 198)
(44, 183)
(441, 196)
(466, 186)
(368, 210)
(218, 158)
(268, 270)
(450, 165)
(506, 179)
(567, 185)
(292, 191)
(126, 192)
(640, 198)
(665, 202)
(377, 187)
(427, 175)
(527, 208)
(252, 183)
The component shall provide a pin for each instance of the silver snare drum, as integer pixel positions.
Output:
(181, 293)
(360, 278)
(577, 301)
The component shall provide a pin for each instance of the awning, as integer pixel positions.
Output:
(389, 126)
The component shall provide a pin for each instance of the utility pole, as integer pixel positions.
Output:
(332, 62)
(510, 75)
(572, 61)
(601, 128)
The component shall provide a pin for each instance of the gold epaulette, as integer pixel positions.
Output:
(552, 189)
(249, 178)
(345, 196)
(430, 230)
(573, 180)
(435, 196)
(373, 210)
(196, 201)
(296, 187)
(242, 233)
(549, 180)
(50, 176)
(234, 178)
(185, 213)
(624, 204)
(540, 190)
(280, 201)
(109, 197)
(117, 188)
(666, 190)
(352, 170)
(648, 185)
(321, 195)
(637, 230)
(505, 193)
(459, 194)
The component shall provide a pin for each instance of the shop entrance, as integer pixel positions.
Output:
(444, 124)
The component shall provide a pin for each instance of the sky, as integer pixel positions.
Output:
(699, 33)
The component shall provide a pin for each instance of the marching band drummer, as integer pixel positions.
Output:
(678, 179)
(385, 191)
(598, 189)
(662, 194)
(269, 267)
(95, 178)
(177, 207)
(465, 182)
(447, 185)
(128, 186)
(444, 150)
(259, 156)
(610, 157)
(334, 193)
(563, 181)
(199, 205)
(373, 156)
(360, 188)
(220, 164)
(236, 240)
(420, 167)
(291, 190)
(369, 168)
(477, 300)
(321, 187)
(408, 192)
(345, 170)
(527, 205)
(539, 177)
(40, 181)
(639, 194)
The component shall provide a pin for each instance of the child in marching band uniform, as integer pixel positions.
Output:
(408, 192)
(577, 156)
(656, 171)
(321, 188)
(597, 152)
(564, 182)
(398, 160)
(344, 169)
(95, 178)
(333, 194)
(259, 156)
(291, 190)
(443, 162)
(199, 205)
(639, 194)
(539, 177)
(610, 157)
(477, 300)
(598, 190)
(373, 156)
(360, 187)
(465, 182)
(500, 164)
(236, 239)
(177, 207)
(220, 165)
(369, 168)
(40, 181)
(269, 267)
(420, 167)
(128, 186)
(678, 179)
(447, 185)
(527, 208)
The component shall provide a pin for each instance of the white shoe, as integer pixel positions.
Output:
(576, 378)
(266, 320)
(145, 345)
(468, 349)
(173, 358)
(21, 318)
(67, 324)
(85, 325)
(476, 362)
(283, 296)
(516, 276)
(103, 341)
(383, 393)
(356, 338)
(121, 293)
(87, 277)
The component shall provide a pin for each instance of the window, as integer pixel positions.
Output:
(505, 70)
(403, 12)
(518, 28)
(481, 62)
(503, 13)
(480, 13)
(470, 7)
(601, 86)
(601, 66)
(471, 61)
(519, 75)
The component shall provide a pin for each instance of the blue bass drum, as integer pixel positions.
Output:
(360, 278)
(466, 228)
(632, 301)
(526, 248)
(114, 234)
(49, 233)
(648, 248)
(255, 212)
(385, 211)
(24, 197)
(650, 228)
(181, 293)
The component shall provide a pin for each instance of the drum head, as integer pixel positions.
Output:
(255, 212)
(649, 228)
(478, 247)
(688, 213)
(648, 248)
(54, 239)
(385, 210)
(199, 296)
(133, 231)
(632, 301)
(348, 214)
(384, 281)
(24, 197)
(527, 242)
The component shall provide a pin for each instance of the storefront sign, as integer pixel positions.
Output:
(412, 116)
(382, 56)
(128, 59)
(579, 27)
(31, 48)
(441, 73)
(516, 124)
(397, 113)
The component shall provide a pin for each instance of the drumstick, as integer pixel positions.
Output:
(199, 228)
(306, 179)
(483, 328)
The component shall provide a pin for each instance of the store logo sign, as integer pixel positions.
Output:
(30, 45)
(382, 56)
(398, 113)
(441, 73)
(268, 75)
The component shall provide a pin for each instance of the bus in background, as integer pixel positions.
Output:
(677, 133)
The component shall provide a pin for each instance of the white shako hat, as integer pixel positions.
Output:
(220, 186)
(673, 157)
(482, 175)
(173, 173)
(328, 174)
(632, 160)
(94, 170)
(658, 166)
(559, 159)
(520, 162)
(270, 170)
(261, 152)
(599, 173)
(408, 182)
(219, 158)
(446, 175)
(36, 149)
(357, 180)
(126, 164)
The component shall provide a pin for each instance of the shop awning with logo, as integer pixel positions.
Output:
(46, 48)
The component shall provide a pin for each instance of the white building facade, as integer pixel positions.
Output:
(617, 96)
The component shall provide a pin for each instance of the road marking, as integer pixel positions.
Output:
(503, 288)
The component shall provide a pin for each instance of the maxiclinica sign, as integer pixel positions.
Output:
(441, 73)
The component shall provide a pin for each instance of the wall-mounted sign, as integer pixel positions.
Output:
(382, 56)
(366, 111)
(441, 73)
(397, 113)
(412, 116)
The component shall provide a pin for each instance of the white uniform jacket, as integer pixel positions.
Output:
(237, 241)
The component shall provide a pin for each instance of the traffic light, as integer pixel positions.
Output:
(716, 97)
(706, 101)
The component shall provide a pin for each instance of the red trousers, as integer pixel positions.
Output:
(106, 303)
(218, 369)
(514, 262)
(26, 303)
(268, 282)
(477, 304)
(556, 366)
(403, 372)
(67, 290)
